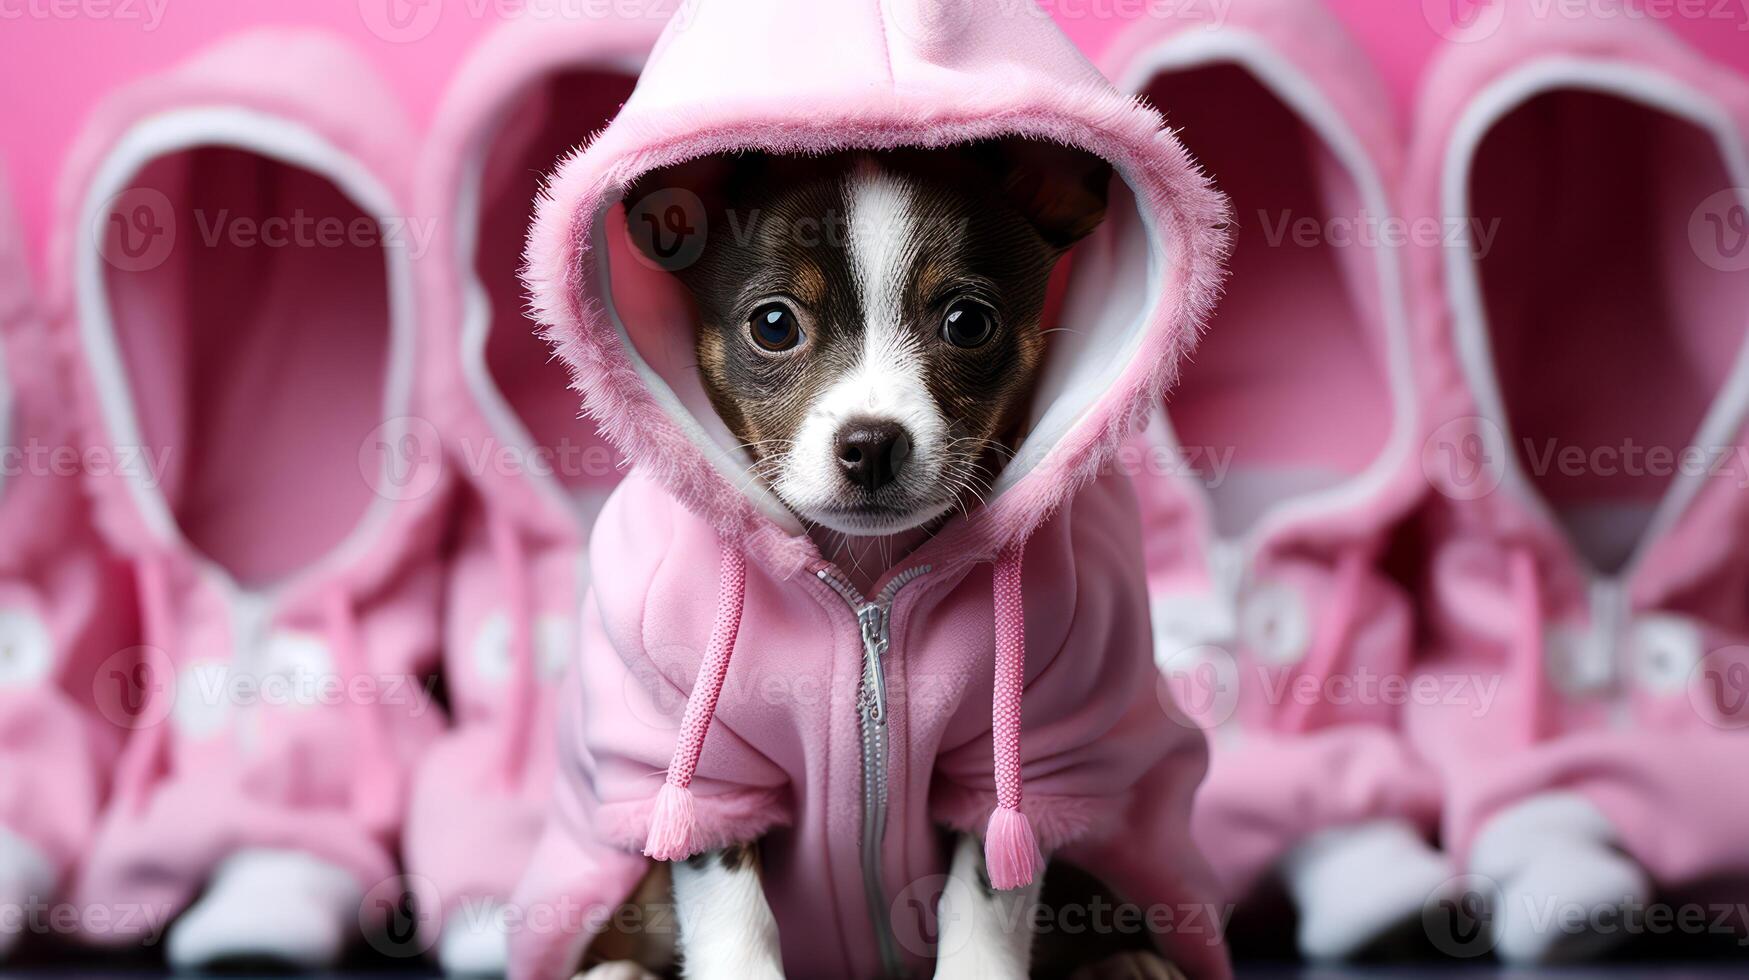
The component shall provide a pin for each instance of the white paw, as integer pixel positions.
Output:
(1356, 886)
(25, 877)
(314, 913)
(617, 970)
(1517, 835)
(1568, 905)
(474, 942)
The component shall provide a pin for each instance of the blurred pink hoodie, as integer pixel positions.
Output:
(234, 275)
(843, 731)
(538, 476)
(1290, 455)
(66, 612)
(1606, 310)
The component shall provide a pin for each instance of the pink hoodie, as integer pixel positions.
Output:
(1606, 311)
(1291, 449)
(65, 606)
(234, 279)
(509, 418)
(841, 730)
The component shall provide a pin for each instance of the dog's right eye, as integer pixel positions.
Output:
(775, 327)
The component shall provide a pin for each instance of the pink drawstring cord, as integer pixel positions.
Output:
(1011, 852)
(1326, 656)
(152, 579)
(1529, 650)
(376, 776)
(674, 823)
(508, 554)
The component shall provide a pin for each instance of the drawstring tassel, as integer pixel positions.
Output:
(674, 821)
(673, 824)
(1010, 850)
(1011, 853)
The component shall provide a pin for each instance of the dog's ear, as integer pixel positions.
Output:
(1061, 190)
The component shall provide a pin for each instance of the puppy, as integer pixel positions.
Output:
(870, 330)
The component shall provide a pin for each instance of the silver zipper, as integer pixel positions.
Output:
(874, 618)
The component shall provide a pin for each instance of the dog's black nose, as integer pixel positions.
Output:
(871, 452)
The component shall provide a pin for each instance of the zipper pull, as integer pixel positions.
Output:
(870, 618)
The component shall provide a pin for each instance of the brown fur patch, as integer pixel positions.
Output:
(644, 929)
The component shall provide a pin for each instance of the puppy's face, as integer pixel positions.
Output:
(870, 324)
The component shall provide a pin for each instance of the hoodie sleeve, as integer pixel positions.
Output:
(619, 719)
(645, 628)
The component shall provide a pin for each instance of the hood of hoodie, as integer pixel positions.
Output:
(729, 77)
(33, 425)
(233, 279)
(518, 106)
(1288, 448)
(1296, 422)
(235, 267)
(1580, 310)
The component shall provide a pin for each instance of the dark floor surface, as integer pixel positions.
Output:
(1623, 971)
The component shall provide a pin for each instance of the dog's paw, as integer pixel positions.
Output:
(616, 970)
(1132, 965)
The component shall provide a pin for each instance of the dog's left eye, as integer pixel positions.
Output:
(774, 326)
(968, 323)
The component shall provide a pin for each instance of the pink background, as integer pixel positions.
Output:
(58, 57)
